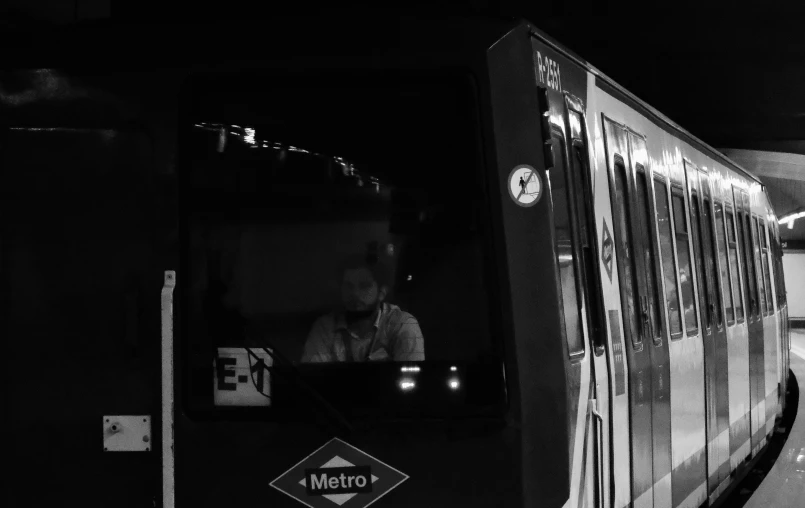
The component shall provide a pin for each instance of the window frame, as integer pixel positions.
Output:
(723, 229)
(622, 202)
(766, 262)
(678, 190)
(715, 307)
(492, 248)
(702, 292)
(750, 282)
(662, 181)
(558, 135)
(729, 211)
(589, 269)
(652, 236)
(758, 253)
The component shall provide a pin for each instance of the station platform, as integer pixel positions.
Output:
(784, 485)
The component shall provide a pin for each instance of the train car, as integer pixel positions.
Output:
(420, 264)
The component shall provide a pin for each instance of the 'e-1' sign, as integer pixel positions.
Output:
(338, 480)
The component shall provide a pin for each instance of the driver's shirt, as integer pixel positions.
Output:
(395, 335)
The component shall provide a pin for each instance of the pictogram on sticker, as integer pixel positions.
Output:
(525, 186)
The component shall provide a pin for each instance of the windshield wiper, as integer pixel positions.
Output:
(299, 382)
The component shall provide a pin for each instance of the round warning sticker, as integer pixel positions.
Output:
(525, 186)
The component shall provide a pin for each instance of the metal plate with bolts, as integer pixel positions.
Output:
(127, 433)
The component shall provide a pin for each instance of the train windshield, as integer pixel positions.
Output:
(333, 226)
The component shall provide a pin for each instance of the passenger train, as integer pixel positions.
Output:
(599, 293)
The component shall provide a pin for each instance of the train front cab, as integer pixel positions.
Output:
(447, 176)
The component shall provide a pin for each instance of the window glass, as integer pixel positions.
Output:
(733, 252)
(683, 253)
(766, 274)
(626, 260)
(652, 288)
(698, 249)
(342, 236)
(561, 195)
(589, 291)
(759, 266)
(749, 272)
(726, 290)
(778, 266)
(667, 255)
(711, 260)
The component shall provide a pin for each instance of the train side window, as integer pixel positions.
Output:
(780, 263)
(775, 256)
(698, 251)
(653, 284)
(726, 289)
(710, 259)
(683, 254)
(561, 194)
(745, 232)
(667, 256)
(765, 259)
(732, 243)
(759, 266)
(589, 285)
(624, 238)
(773, 264)
(779, 247)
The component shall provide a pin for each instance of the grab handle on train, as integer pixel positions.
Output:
(594, 410)
(599, 451)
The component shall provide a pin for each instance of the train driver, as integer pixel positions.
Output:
(366, 327)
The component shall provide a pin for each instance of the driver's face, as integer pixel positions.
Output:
(359, 290)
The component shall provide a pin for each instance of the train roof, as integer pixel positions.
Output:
(649, 109)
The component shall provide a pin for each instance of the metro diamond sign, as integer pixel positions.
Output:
(338, 475)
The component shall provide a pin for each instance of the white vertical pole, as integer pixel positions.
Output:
(168, 478)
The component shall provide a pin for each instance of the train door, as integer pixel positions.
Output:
(715, 348)
(758, 353)
(646, 353)
(588, 278)
(716, 454)
(782, 320)
(754, 319)
(768, 396)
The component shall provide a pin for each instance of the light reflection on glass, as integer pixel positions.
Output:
(453, 368)
(222, 135)
(249, 137)
(575, 125)
(409, 369)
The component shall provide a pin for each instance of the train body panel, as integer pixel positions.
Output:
(701, 465)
